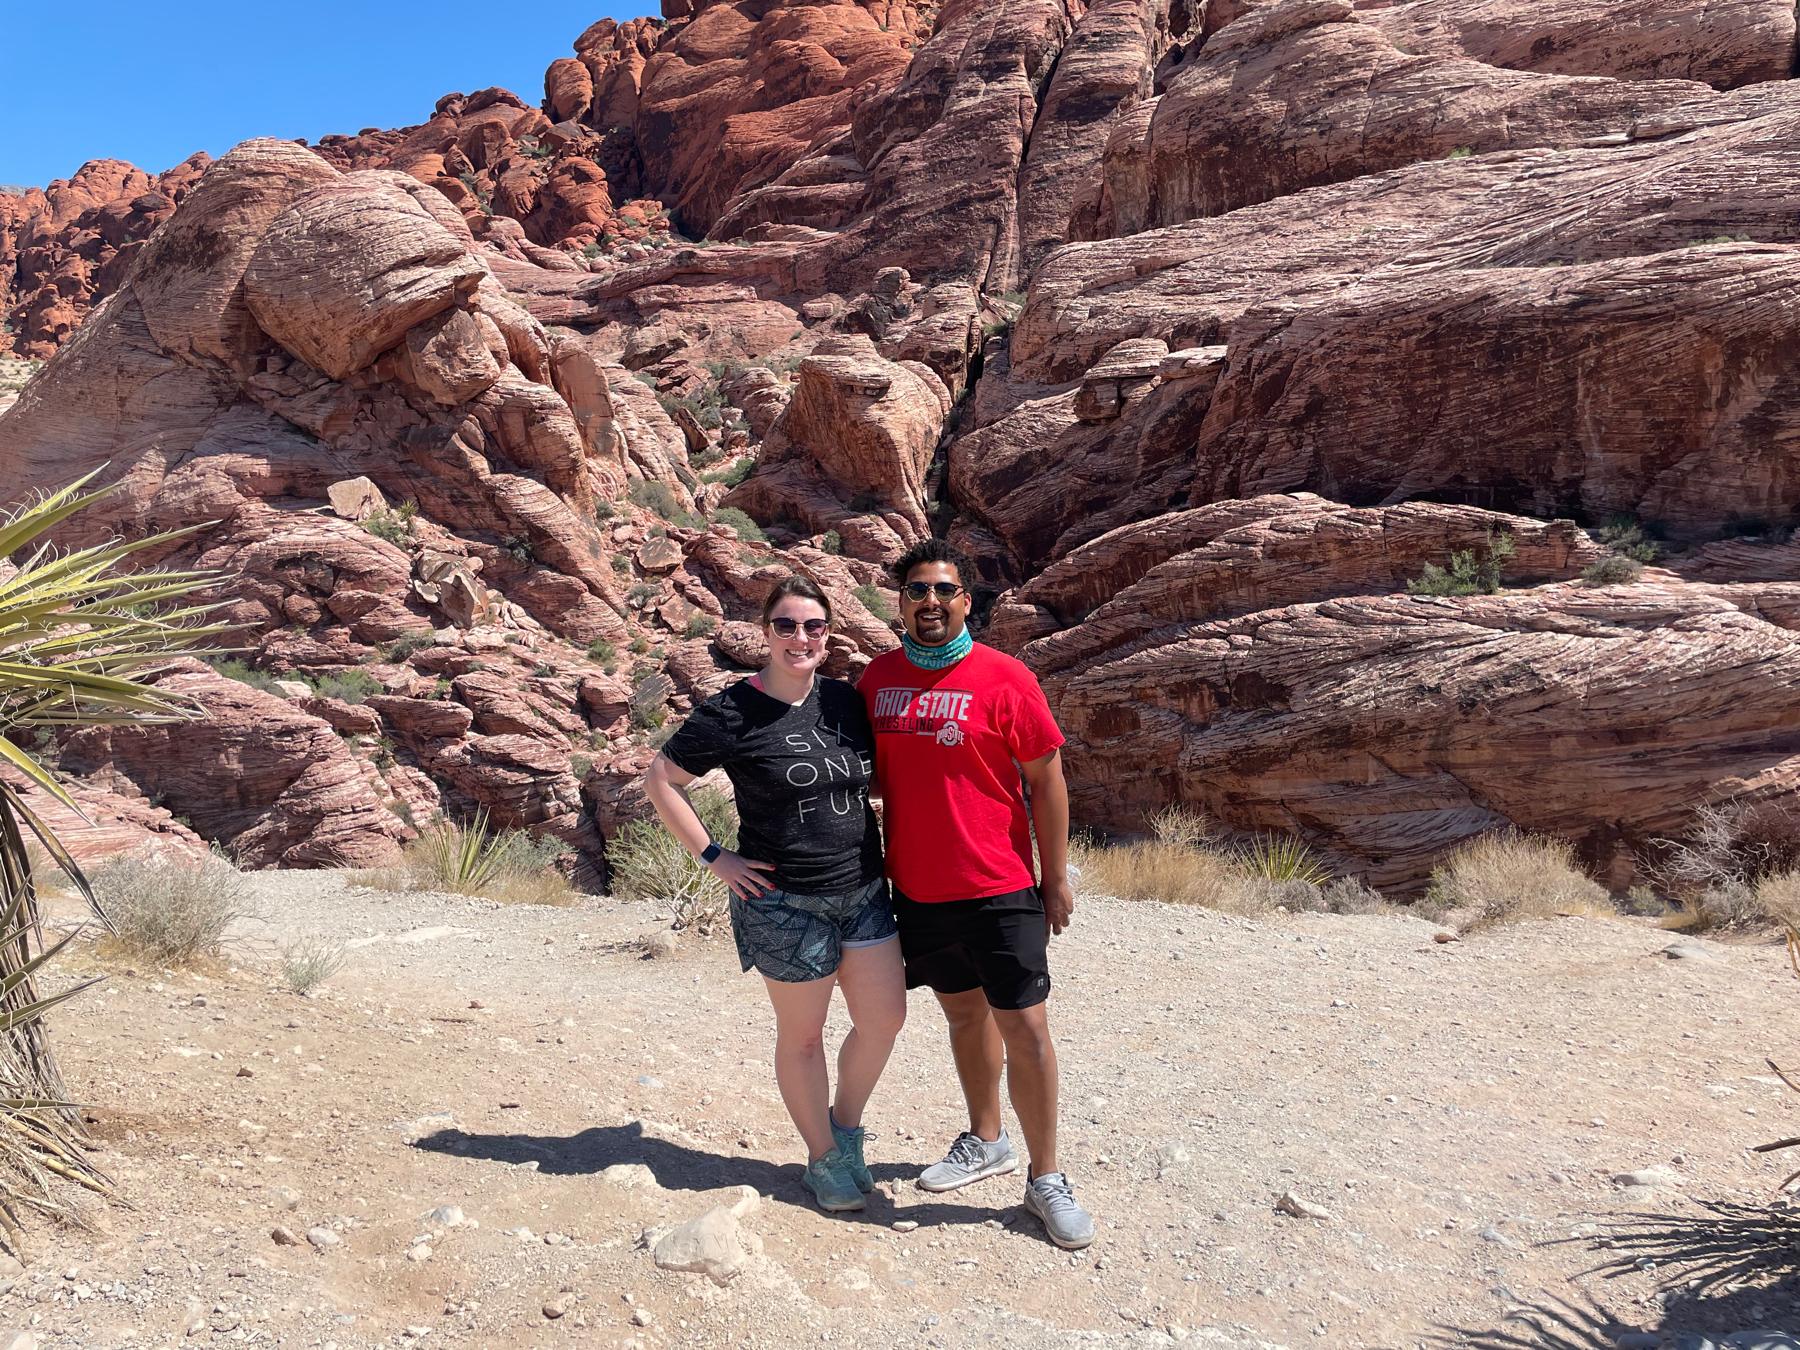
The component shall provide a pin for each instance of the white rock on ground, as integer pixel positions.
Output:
(711, 1245)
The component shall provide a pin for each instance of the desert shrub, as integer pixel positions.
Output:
(648, 863)
(732, 474)
(170, 908)
(1506, 876)
(701, 625)
(1179, 824)
(832, 542)
(1771, 901)
(1616, 570)
(639, 645)
(643, 592)
(655, 497)
(405, 645)
(1628, 538)
(309, 962)
(1471, 571)
(747, 529)
(1347, 895)
(1153, 870)
(873, 599)
(395, 526)
(244, 673)
(1726, 843)
(349, 686)
(600, 651)
(476, 859)
(1461, 152)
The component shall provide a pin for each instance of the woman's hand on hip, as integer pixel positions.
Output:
(742, 876)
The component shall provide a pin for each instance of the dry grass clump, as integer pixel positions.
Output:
(1176, 874)
(308, 963)
(476, 859)
(1508, 876)
(1181, 866)
(169, 908)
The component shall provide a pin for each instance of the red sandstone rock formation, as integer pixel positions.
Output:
(1516, 255)
(1254, 659)
(66, 245)
(340, 327)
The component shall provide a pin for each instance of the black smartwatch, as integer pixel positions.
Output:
(711, 852)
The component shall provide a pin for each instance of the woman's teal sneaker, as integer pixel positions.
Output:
(850, 1144)
(829, 1180)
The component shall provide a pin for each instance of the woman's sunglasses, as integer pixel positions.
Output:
(788, 627)
(918, 590)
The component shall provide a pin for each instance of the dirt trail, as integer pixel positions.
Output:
(1452, 1106)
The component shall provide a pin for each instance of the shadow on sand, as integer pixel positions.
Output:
(1721, 1267)
(677, 1167)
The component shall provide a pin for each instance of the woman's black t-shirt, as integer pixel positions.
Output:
(801, 775)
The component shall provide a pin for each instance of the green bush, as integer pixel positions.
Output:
(1617, 570)
(394, 527)
(1471, 571)
(405, 645)
(660, 499)
(747, 529)
(876, 602)
(600, 651)
(732, 474)
(701, 625)
(244, 673)
(1626, 537)
(832, 542)
(350, 686)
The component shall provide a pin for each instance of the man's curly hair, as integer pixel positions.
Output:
(934, 551)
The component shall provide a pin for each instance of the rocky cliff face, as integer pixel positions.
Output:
(1205, 327)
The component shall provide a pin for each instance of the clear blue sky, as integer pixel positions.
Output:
(154, 82)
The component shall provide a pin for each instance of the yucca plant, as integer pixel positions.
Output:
(80, 643)
(464, 858)
(1280, 857)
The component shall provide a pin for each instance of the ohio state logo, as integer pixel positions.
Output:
(950, 734)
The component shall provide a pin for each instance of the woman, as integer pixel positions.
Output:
(809, 904)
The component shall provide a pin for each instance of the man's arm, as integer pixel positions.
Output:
(1050, 821)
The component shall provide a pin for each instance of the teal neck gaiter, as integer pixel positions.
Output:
(937, 658)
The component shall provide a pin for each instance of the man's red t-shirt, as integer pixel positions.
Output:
(948, 744)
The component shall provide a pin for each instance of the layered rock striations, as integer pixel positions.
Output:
(1207, 327)
(419, 496)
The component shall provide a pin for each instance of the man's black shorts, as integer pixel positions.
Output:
(1000, 945)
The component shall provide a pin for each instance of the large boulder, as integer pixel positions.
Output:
(275, 785)
(856, 438)
(1387, 727)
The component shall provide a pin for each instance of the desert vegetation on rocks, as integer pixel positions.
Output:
(1238, 343)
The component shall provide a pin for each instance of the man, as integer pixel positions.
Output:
(956, 726)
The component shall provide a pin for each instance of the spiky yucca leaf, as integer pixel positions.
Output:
(1280, 857)
(80, 642)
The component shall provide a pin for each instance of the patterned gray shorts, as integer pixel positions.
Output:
(793, 938)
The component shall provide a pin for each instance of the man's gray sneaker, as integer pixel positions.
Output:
(970, 1159)
(1052, 1199)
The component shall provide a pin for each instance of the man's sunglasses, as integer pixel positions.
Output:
(788, 627)
(918, 590)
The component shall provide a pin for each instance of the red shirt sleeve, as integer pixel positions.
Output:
(1031, 732)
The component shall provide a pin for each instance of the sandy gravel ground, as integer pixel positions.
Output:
(1457, 1109)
